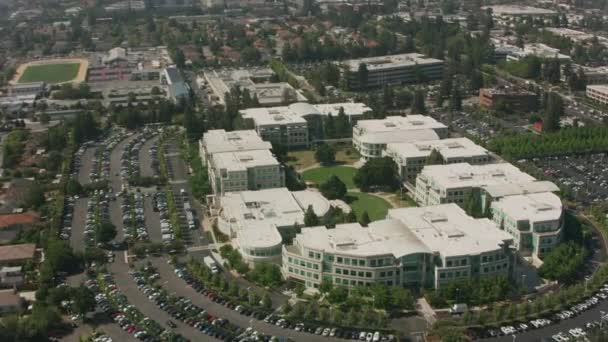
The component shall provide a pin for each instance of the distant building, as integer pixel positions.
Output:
(392, 69)
(259, 82)
(176, 86)
(298, 123)
(126, 6)
(593, 75)
(257, 221)
(411, 157)
(11, 276)
(172, 4)
(26, 89)
(508, 99)
(12, 255)
(598, 93)
(515, 11)
(539, 50)
(370, 137)
(427, 247)
(10, 302)
(120, 64)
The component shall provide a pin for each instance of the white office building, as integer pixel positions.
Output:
(239, 160)
(260, 82)
(598, 93)
(426, 247)
(534, 220)
(298, 123)
(391, 69)
(370, 137)
(256, 221)
(411, 157)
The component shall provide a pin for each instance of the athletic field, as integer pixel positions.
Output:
(50, 73)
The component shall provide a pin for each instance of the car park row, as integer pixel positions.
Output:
(569, 335)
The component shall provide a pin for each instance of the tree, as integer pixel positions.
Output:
(402, 298)
(338, 294)
(554, 110)
(472, 203)
(352, 318)
(333, 188)
(266, 302)
(563, 262)
(351, 217)
(73, 187)
(362, 75)
(310, 218)
(325, 154)
(34, 197)
(365, 220)
(376, 172)
(418, 106)
(84, 300)
(105, 232)
(434, 158)
(326, 285)
(44, 118)
(179, 58)
(456, 100)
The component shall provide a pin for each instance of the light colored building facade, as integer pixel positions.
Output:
(260, 82)
(370, 137)
(26, 89)
(298, 123)
(392, 69)
(452, 183)
(239, 160)
(534, 220)
(598, 93)
(411, 157)
(245, 170)
(426, 247)
(524, 207)
(256, 221)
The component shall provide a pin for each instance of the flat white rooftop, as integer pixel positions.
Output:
(502, 190)
(518, 10)
(395, 129)
(465, 175)
(218, 140)
(277, 206)
(242, 160)
(446, 229)
(449, 148)
(380, 238)
(391, 61)
(297, 112)
(539, 207)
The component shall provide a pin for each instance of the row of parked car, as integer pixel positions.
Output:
(325, 331)
(518, 328)
(159, 204)
(115, 304)
(133, 218)
(66, 219)
(183, 309)
(98, 211)
(101, 160)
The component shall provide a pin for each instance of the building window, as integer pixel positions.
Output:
(353, 273)
(311, 254)
(339, 260)
(368, 274)
(338, 271)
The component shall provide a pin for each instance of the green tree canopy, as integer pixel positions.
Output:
(333, 188)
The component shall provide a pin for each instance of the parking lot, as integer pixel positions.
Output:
(560, 329)
(585, 175)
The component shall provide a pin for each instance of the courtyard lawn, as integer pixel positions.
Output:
(376, 207)
(301, 159)
(321, 174)
(50, 73)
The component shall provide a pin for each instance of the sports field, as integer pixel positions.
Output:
(50, 73)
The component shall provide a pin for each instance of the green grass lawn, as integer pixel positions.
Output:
(376, 207)
(321, 174)
(301, 159)
(50, 73)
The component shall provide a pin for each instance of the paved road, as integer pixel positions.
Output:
(111, 329)
(152, 220)
(84, 173)
(563, 326)
(78, 222)
(145, 160)
(174, 284)
(127, 286)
